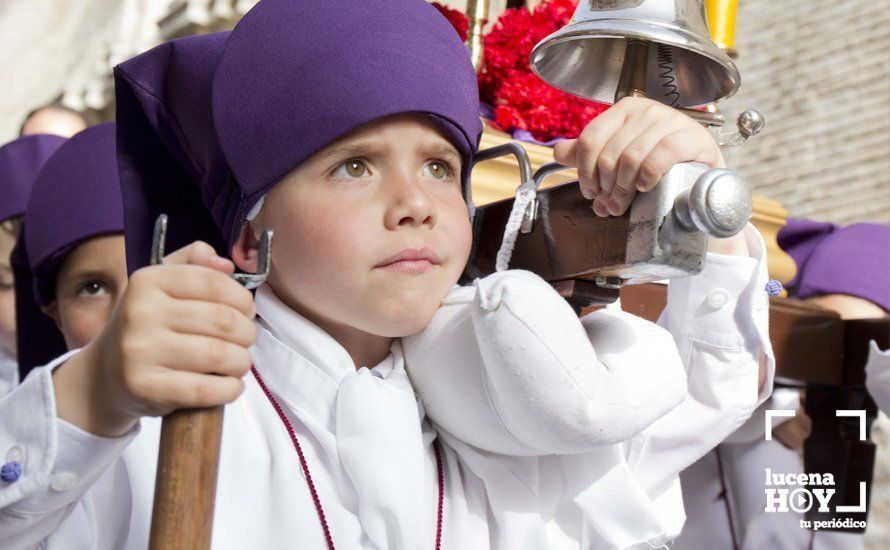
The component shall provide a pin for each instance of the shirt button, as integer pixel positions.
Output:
(63, 481)
(773, 287)
(718, 298)
(14, 455)
(10, 472)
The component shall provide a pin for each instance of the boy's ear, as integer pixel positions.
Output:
(52, 310)
(245, 251)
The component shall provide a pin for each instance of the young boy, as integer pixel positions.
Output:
(20, 161)
(354, 130)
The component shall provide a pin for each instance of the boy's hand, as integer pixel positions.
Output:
(178, 338)
(629, 147)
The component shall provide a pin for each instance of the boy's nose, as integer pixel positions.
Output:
(409, 204)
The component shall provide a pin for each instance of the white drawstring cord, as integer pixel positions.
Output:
(524, 197)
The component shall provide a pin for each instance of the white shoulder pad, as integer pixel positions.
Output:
(508, 367)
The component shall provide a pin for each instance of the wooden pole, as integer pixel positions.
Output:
(188, 457)
(185, 489)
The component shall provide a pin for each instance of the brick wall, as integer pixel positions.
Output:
(819, 71)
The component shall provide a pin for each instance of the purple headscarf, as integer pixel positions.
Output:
(208, 124)
(20, 161)
(853, 260)
(75, 197)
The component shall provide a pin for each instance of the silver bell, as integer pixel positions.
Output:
(683, 67)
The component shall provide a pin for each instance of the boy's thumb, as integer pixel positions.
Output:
(566, 152)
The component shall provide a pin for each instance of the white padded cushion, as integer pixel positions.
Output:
(506, 366)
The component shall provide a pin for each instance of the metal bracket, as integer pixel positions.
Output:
(248, 280)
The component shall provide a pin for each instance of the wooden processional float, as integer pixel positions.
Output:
(657, 49)
(611, 49)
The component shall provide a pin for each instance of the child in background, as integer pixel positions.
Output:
(843, 269)
(70, 269)
(20, 161)
(54, 118)
(351, 133)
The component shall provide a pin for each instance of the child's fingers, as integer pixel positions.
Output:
(671, 149)
(600, 206)
(615, 152)
(190, 390)
(211, 319)
(691, 144)
(205, 355)
(590, 144)
(628, 174)
(200, 253)
(565, 152)
(190, 282)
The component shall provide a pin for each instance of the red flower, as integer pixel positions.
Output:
(521, 100)
(457, 19)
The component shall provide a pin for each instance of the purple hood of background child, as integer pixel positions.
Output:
(20, 162)
(75, 197)
(853, 260)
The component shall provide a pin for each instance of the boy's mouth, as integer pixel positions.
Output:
(411, 260)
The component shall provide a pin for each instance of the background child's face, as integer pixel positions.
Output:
(90, 281)
(7, 294)
(388, 187)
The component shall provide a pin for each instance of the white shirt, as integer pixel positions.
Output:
(9, 372)
(369, 446)
(877, 376)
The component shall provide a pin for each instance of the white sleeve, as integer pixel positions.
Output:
(9, 373)
(719, 320)
(877, 376)
(49, 464)
(754, 429)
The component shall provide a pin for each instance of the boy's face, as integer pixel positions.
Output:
(390, 187)
(90, 281)
(7, 294)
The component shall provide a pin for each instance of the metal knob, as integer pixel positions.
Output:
(719, 204)
(750, 123)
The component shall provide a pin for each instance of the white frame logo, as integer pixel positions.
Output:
(802, 499)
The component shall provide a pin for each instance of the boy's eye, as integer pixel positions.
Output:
(92, 288)
(352, 168)
(439, 169)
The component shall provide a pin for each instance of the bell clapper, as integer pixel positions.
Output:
(632, 82)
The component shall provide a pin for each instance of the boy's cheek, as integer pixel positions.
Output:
(82, 321)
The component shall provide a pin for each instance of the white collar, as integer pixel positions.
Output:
(302, 363)
(303, 336)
